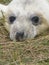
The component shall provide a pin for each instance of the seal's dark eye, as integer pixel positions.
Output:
(35, 20)
(12, 19)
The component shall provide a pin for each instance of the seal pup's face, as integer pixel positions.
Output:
(25, 21)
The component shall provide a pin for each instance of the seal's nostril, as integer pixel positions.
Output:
(19, 36)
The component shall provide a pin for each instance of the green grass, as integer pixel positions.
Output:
(29, 52)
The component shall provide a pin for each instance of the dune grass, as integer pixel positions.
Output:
(29, 52)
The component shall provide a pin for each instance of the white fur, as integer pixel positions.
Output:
(23, 9)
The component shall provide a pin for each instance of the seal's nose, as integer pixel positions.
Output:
(19, 36)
